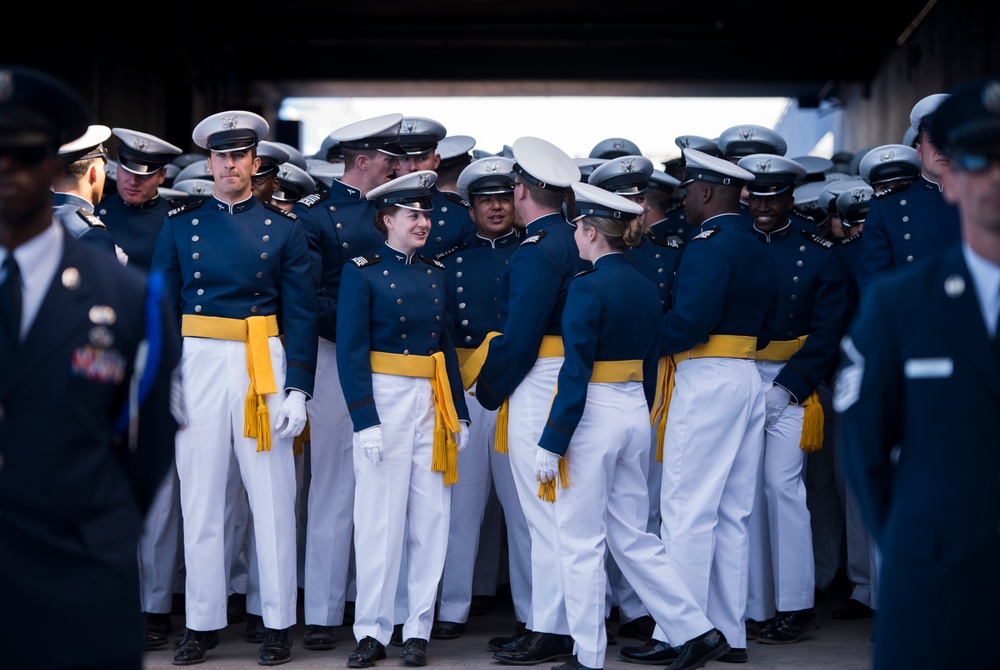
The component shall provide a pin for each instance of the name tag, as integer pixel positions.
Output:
(928, 368)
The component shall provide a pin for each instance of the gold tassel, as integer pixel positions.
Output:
(547, 490)
(451, 449)
(298, 444)
(661, 401)
(263, 425)
(250, 412)
(563, 472)
(812, 425)
(500, 441)
(661, 429)
(439, 456)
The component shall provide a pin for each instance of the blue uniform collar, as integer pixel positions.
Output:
(609, 258)
(543, 222)
(392, 254)
(63, 198)
(507, 240)
(345, 190)
(235, 208)
(774, 235)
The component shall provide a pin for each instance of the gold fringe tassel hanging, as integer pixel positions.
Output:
(812, 425)
(500, 439)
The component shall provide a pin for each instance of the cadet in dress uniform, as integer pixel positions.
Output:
(135, 210)
(294, 183)
(265, 181)
(914, 223)
(520, 373)
(736, 142)
(419, 138)
(237, 271)
(74, 330)
(474, 274)
(399, 372)
(725, 297)
(812, 295)
(339, 224)
(598, 423)
(456, 155)
(614, 147)
(665, 218)
(656, 260)
(917, 393)
(79, 186)
(138, 212)
(890, 167)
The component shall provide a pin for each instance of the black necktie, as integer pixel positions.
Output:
(10, 300)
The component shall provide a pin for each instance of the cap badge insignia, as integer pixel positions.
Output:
(283, 172)
(229, 123)
(618, 145)
(746, 133)
(627, 165)
(886, 155)
(141, 144)
(199, 188)
(424, 180)
(408, 127)
(764, 165)
(991, 97)
(685, 142)
(492, 167)
(858, 195)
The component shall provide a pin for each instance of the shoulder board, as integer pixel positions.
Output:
(705, 234)
(313, 199)
(667, 242)
(430, 261)
(90, 219)
(844, 241)
(278, 210)
(816, 239)
(444, 254)
(186, 207)
(887, 190)
(674, 207)
(584, 272)
(806, 216)
(363, 261)
(456, 198)
(536, 238)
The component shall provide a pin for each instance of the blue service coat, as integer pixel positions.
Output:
(451, 224)
(657, 261)
(532, 294)
(612, 313)
(394, 304)
(673, 225)
(77, 217)
(903, 226)
(250, 259)
(72, 496)
(135, 229)
(917, 392)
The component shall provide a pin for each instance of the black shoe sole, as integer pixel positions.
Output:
(764, 640)
(318, 646)
(538, 661)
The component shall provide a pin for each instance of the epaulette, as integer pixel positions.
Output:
(584, 272)
(444, 254)
(363, 261)
(705, 234)
(674, 207)
(805, 216)
(313, 199)
(667, 242)
(456, 198)
(186, 207)
(844, 241)
(891, 190)
(430, 261)
(816, 239)
(90, 219)
(534, 239)
(278, 210)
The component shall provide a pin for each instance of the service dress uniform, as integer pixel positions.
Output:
(725, 297)
(77, 215)
(394, 337)
(242, 267)
(599, 422)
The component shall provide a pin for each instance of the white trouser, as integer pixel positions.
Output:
(606, 507)
(518, 536)
(330, 519)
(401, 492)
(468, 504)
(825, 499)
(529, 409)
(215, 383)
(160, 547)
(712, 445)
(782, 570)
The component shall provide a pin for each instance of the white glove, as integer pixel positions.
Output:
(369, 441)
(546, 465)
(291, 414)
(462, 438)
(775, 401)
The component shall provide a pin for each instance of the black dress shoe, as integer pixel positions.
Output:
(236, 608)
(789, 627)
(639, 629)
(699, 651)
(573, 664)
(255, 629)
(277, 647)
(158, 627)
(653, 652)
(853, 609)
(414, 652)
(366, 653)
(537, 648)
(397, 635)
(754, 627)
(318, 637)
(734, 655)
(447, 630)
(193, 646)
(508, 641)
